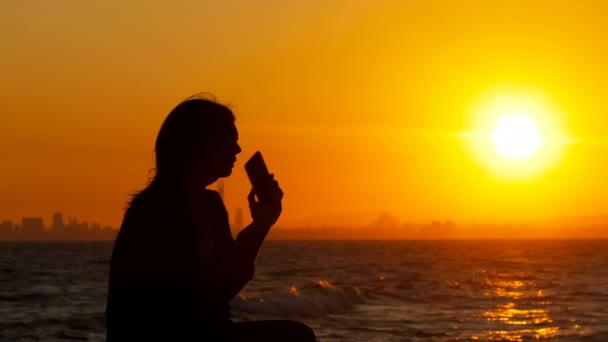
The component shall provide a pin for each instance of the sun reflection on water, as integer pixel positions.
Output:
(521, 315)
(508, 314)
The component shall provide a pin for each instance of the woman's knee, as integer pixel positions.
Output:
(300, 332)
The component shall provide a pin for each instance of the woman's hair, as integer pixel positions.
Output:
(191, 129)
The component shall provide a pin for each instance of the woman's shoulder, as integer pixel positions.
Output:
(155, 215)
(150, 203)
(153, 200)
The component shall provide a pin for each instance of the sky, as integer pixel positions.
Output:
(360, 107)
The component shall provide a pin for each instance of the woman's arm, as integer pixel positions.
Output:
(240, 266)
(264, 214)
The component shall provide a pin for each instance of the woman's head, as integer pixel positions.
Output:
(197, 143)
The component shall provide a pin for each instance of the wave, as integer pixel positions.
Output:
(22, 297)
(101, 261)
(593, 294)
(7, 270)
(311, 300)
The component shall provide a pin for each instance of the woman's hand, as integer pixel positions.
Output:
(266, 212)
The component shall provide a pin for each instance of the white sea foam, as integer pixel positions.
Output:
(311, 300)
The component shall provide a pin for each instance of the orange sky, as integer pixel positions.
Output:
(358, 106)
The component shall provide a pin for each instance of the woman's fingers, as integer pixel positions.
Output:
(251, 198)
(277, 193)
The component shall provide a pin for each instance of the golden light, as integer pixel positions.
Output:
(516, 132)
(516, 137)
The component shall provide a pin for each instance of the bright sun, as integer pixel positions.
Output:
(516, 132)
(516, 137)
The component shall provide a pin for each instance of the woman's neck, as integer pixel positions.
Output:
(186, 184)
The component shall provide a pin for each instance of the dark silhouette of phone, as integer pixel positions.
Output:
(259, 176)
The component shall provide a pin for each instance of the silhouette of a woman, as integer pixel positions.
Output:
(175, 265)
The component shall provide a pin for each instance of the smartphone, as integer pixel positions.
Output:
(258, 175)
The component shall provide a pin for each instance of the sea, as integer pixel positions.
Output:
(503, 290)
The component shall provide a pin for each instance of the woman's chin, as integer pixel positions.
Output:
(225, 172)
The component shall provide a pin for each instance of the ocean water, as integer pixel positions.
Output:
(345, 290)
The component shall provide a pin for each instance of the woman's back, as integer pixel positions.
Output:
(158, 285)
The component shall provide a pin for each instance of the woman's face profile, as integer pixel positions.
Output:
(222, 154)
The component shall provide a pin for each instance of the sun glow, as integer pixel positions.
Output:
(516, 133)
(516, 137)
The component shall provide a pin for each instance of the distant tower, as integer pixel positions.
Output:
(220, 188)
(238, 220)
(58, 224)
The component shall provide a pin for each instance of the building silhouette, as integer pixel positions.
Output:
(58, 224)
(6, 227)
(33, 229)
(32, 225)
